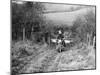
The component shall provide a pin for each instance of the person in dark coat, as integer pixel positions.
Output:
(61, 36)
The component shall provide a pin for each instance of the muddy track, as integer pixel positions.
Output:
(40, 62)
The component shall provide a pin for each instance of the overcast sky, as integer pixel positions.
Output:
(61, 7)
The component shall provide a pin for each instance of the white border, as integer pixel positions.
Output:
(5, 37)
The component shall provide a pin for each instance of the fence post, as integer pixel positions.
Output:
(23, 34)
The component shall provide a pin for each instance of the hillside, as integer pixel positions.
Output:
(67, 18)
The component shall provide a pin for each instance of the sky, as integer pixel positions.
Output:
(60, 7)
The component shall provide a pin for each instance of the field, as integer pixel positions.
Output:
(28, 57)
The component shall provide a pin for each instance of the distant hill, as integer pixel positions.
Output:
(67, 18)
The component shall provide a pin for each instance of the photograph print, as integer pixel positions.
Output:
(52, 37)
